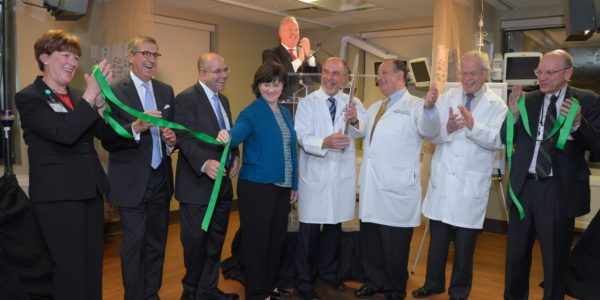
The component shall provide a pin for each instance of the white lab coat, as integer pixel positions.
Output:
(461, 167)
(327, 177)
(390, 180)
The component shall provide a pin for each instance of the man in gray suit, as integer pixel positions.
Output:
(202, 107)
(140, 173)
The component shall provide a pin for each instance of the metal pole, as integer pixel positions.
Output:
(420, 248)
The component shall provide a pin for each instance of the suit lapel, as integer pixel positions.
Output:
(533, 107)
(133, 99)
(206, 107)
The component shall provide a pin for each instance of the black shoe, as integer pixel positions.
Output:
(336, 284)
(424, 292)
(308, 295)
(187, 295)
(454, 298)
(223, 296)
(280, 294)
(364, 292)
(395, 296)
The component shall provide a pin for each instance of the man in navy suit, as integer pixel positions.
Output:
(295, 57)
(140, 173)
(202, 107)
(552, 185)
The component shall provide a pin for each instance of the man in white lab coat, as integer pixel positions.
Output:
(390, 180)
(460, 180)
(327, 176)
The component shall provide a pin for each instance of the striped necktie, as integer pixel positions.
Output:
(543, 165)
(332, 108)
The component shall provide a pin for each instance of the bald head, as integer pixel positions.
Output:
(213, 71)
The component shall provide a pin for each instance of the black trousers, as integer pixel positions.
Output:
(440, 235)
(554, 235)
(385, 251)
(202, 250)
(74, 231)
(264, 210)
(144, 240)
(316, 254)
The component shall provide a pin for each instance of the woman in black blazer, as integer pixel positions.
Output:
(66, 180)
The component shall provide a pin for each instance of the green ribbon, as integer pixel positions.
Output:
(561, 121)
(108, 94)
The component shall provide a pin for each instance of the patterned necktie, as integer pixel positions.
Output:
(217, 105)
(543, 165)
(469, 99)
(292, 53)
(332, 108)
(378, 116)
(149, 104)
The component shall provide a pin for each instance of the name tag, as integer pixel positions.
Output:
(58, 107)
(402, 111)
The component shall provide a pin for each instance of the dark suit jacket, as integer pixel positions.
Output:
(281, 55)
(129, 160)
(63, 164)
(194, 111)
(569, 167)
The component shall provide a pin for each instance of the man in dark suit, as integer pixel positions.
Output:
(552, 185)
(202, 107)
(140, 174)
(296, 58)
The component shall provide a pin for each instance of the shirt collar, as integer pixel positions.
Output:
(137, 81)
(209, 93)
(397, 95)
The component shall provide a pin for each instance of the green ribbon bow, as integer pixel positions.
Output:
(108, 94)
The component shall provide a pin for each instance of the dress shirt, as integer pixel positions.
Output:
(141, 90)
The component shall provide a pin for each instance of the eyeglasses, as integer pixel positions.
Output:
(148, 54)
(471, 74)
(219, 71)
(539, 72)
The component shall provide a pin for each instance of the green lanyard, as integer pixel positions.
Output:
(561, 121)
(108, 94)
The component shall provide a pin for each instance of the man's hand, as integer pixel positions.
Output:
(211, 167)
(513, 100)
(293, 196)
(223, 136)
(336, 141)
(564, 110)
(351, 115)
(455, 122)
(140, 126)
(305, 44)
(467, 116)
(431, 97)
(235, 167)
(169, 137)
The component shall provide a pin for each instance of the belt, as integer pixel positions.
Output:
(536, 177)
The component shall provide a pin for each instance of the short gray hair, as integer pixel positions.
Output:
(481, 56)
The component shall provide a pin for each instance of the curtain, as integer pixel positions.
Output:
(452, 35)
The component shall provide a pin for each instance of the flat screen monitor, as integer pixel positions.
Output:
(419, 68)
(518, 68)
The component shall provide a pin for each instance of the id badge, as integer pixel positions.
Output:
(58, 107)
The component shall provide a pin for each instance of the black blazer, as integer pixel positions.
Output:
(568, 166)
(194, 111)
(63, 164)
(281, 55)
(129, 160)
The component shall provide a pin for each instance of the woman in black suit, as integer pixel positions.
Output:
(66, 180)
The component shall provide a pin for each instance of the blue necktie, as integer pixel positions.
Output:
(469, 99)
(332, 108)
(217, 105)
(149, 104)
